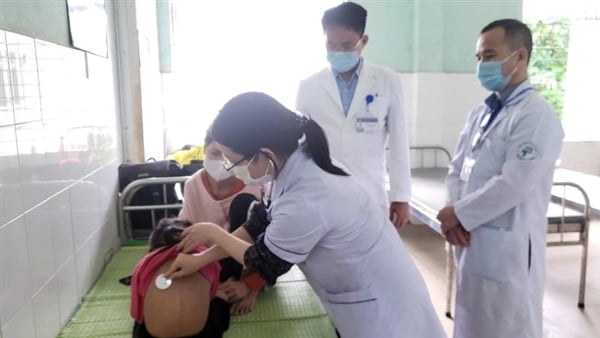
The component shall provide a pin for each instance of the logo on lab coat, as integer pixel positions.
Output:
(526, 151)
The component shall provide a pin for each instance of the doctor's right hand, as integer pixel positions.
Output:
(184, 265)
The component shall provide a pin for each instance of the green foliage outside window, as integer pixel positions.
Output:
(548, 64)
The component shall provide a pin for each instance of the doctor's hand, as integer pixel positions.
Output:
(195, 235)
(458, 236)
(184, 265)
(448, 218)
(399, 212)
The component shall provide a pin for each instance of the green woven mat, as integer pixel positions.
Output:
(318, 327)
(289, 309)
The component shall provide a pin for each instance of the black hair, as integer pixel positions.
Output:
(349, 15)
(253, 120)
(516, 34)
(208, 139)
(168, 232)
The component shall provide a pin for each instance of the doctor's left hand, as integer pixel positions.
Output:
(195, 235)
(399, 212)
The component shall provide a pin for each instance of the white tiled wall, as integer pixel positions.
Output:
(58, 181)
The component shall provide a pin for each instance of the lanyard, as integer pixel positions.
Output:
(486, 119)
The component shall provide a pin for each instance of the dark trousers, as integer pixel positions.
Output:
(218, 313)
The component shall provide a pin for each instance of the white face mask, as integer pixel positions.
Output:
(242, 172)
(215, 169)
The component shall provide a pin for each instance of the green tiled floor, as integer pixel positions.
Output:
(290, 309)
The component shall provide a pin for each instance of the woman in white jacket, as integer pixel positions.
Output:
(319, 218)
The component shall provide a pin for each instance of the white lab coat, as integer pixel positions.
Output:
(503, 203)
(363, 153)
(349, 252)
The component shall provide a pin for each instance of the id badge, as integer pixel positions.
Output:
(467, 168)
(368, 125)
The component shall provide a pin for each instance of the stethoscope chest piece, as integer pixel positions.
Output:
(162, 283)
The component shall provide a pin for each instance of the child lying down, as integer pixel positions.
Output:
(187, 307)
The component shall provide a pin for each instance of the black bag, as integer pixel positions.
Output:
(141, 220)
(129, 172)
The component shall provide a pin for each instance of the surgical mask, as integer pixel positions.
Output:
(490, 74)
(242, 172)
(215, 169)
(342, 62)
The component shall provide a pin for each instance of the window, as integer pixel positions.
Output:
(563, 63)
(228, 47)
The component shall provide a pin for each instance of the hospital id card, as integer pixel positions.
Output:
(367, 125)
(467, 168)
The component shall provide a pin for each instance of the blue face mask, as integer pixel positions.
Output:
(342, 62)
(490, 74)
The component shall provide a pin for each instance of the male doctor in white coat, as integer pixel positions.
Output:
(360, 106)
(499, 186)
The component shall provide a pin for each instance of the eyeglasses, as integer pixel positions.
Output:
(228, 165)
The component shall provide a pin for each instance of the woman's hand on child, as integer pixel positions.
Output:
(195, 235)
(235, 290)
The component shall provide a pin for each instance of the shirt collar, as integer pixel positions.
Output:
(356, 74)
(494, 101)
(283, 178)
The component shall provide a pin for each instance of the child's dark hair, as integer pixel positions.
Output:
(251, 121)
(167, 232)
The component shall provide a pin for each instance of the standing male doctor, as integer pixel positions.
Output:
(499, 186)
(360, 106)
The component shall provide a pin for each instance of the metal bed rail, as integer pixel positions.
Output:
(578, 223)
(427, 215)
(572, 219)
(422, 151)
(125, 197)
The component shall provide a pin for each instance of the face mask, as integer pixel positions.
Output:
(215, 169)
(342, 62)
(242, 172)
(490, 74)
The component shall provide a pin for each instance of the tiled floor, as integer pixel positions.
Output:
(562, 317)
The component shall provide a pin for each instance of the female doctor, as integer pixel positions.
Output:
(318, 218)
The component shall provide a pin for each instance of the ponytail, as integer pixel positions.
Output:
(317, 147)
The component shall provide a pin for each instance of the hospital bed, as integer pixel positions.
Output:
(288, 309)
(568, 222)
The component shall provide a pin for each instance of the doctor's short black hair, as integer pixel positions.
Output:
(516, 34)
(348, 15)
(168, 232)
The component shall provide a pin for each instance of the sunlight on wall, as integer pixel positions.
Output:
(229, 47)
